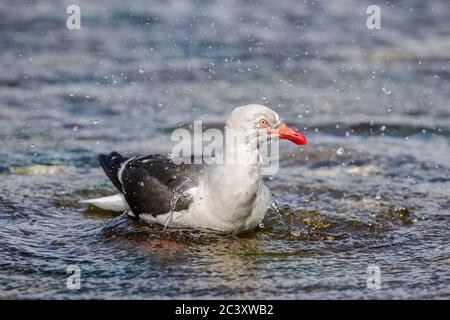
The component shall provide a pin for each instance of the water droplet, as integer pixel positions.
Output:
(386, 91)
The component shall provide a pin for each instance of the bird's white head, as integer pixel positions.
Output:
(259, 117)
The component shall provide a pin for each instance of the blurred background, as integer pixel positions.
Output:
(371, 188)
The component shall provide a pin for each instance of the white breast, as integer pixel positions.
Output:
(223, 202)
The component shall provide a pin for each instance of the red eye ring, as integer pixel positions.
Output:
(263, 123)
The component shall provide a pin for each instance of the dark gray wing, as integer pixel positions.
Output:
(148, 183)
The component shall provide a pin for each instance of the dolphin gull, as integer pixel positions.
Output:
(229, 197)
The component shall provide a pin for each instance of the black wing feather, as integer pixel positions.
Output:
(148, 182)
(111, 164)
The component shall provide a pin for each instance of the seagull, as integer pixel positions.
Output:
(227, 197)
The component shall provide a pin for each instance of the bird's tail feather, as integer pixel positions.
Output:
(115, 203)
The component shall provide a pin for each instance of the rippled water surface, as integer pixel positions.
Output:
(371, 188)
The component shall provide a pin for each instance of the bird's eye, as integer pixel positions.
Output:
(263, 123)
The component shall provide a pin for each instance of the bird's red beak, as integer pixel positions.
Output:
(285, 132)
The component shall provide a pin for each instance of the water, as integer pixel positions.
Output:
(371, 188)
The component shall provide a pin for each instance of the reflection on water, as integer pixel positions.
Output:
(371, 188)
